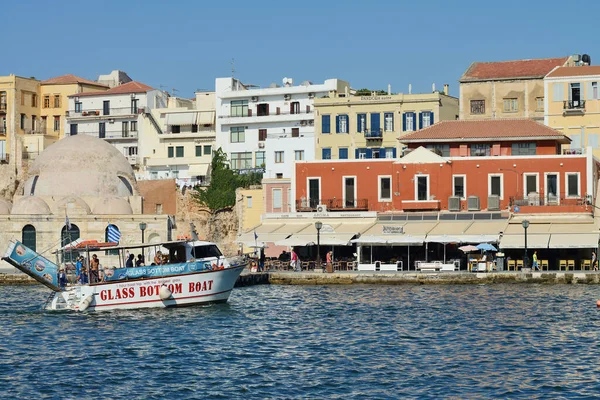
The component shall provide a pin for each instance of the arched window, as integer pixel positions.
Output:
(29, 237)
(66, 237)
(127, 184)
(35, 179)
(106, 239)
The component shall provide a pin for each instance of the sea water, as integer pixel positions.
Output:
(314, 342)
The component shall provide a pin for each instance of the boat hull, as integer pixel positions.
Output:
(170, 291)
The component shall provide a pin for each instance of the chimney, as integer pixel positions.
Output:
(410, 88)
(446, 89)
(389, 89)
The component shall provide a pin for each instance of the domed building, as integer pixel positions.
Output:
(86, 180)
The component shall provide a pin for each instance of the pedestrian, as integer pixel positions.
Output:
(295, 263)
(261, 261)
(329, 261)
(535, 265)
(594, 261)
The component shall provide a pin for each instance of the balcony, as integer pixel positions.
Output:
(41, 130)
(573, 107)
(306, 117)
(573, 151)
(311, 205)
(547, 203)
(111, 134)
(99, 113)
(373, 134)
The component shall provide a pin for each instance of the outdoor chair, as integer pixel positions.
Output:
(586, 265)
(544, 264)
(562, 264)
(571, 264)
(512, 264)
(519, 265)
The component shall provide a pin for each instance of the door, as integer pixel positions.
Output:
(530, 184)
(422, 188)
(552, 188)
(314, 195)
(349, 188)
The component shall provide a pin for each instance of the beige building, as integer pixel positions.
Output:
(506, 89)
(354, 127)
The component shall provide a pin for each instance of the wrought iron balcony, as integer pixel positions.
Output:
(573, 151)
(373, 133)
(574, 105)
(332, 205)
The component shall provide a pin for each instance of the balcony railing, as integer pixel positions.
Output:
(573, 151)
(99, 112)
(37, 131)
(271, 113)
(574, 105)
(374, 133)
(332, 205)
(542, 199)
(112, 134)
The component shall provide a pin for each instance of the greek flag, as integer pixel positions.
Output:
(113, 233)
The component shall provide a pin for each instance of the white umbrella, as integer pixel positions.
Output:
(468, 248)
(368, 239)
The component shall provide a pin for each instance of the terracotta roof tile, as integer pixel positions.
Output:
(69, 79)
(512, 69)
(584, 70)
(483, 130)
(126, 88)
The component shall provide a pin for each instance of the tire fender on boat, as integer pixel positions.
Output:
(85, 303)
(164, 293)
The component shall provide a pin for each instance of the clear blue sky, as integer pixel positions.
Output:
(186, 44)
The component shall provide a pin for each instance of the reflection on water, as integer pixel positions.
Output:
(507, 341)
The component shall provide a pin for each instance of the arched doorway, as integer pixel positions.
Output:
(28, 237)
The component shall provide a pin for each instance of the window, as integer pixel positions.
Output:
(262, 110)
(558, 92)
(125, 128)
(341, 124)
(531, 184)
(343, 153)
(179, 151)
(33, 122)
(422, 188)
(575, 94)
(385, 188)
(495, 185)
(326, 154)
(572, 184)
(326, 124)
(388, 121)
(134, 106)
(539, 104)
(524, 149)
(349, 191)
(133, 126)
(106, 107)
(459, 185)
(33, 100)
(159, 209)
(207, 150)
(361, 123)
(239, 108)
(295, 132)
(198, 151)
(361, 154)
(295, 107)
(23, 117)
(409, 122)
(73, 129)
(427, 119)
(22, 98)
(480, 150)
(28, 237)
(238, 134)
(441, 149)
(46, 101)
(102, 130)
(299, 155)
(241, 160)
(278, 157)
(175, 128)
(262, 135)
(194, 128)
(477, 106)
(277, 199)
(260, 159)
(56, 101)
(78, 108)
(249, 200)
(170, 152)
(511, 105)
(594, 93)
(314, 191)
(56, 123)
(390, 152)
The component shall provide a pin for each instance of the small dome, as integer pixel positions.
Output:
(73, 205)
(30, 205)
(112, 205)
(5, 207)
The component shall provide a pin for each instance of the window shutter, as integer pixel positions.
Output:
(356, 154)
(414, 121)
(431, 119)
(337, 124)
(590, 91)
(576, 141)
(420, 120)
(404, 122)
(358, 122)
(375, 122)
(325, 124)
(369, 153)
(558, 90)
(394, 152)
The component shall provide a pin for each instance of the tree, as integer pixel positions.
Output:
(369, 92)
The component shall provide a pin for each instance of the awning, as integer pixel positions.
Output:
(487, 228)
(390, 240)
(450, 228)
(206, 118)
(183, 118)
(325, 239)
(198, 170)
(572, 241)
(462, 238)
(534, 241)
(248, 238)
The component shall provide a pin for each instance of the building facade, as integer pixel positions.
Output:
(269, 128)
(572, 106)
(357, 127)
(506, 89)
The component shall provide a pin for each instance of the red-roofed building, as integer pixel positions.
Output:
(506, 89)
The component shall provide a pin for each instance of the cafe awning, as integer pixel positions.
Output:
(198, 170)
(534, 241)
(183, 118)
(572, 241)
(309, 240)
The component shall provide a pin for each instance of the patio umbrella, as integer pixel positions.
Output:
(468, 248)
(486, 247)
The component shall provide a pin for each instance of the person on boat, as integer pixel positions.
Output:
(94, 267)
(158, 260)
(62, 278)
(83, 278)
(140, 261)
(129, 262)
(78, 266)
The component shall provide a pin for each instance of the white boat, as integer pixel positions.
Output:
(196, 272)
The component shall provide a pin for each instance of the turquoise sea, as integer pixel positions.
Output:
(311, 342)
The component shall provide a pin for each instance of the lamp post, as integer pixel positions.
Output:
(318, 225)
(143, 227)
(525, 224)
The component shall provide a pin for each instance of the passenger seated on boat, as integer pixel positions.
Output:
(140, 261)
(129, 262)
(62, 278)
(158, 258)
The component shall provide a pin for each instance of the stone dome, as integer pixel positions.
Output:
(5, 207)
(80, 165)
(112, 205)
(30, 205)
(73, 206)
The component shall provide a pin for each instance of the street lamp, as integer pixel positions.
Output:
(318, 225)
(143, 227)
(525, 224)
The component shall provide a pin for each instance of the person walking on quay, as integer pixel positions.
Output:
(329, 261)
(295, 263)
(594, 261)
(535, 265)
(261, 260)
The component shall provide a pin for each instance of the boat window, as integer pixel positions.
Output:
(177, 254)
(206, 251)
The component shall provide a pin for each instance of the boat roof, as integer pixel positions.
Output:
(94, 245)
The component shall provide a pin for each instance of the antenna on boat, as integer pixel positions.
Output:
(193, 231)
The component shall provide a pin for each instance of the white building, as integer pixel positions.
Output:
(269, 127)
(115, 115)
(182, 146)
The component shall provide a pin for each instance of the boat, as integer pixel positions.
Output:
(194, 272)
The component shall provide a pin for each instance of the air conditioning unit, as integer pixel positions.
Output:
(311, 95)
(311, 122)
(321, 208)
(493, 203)
(473, 203)
(261, 145)
(303, 122)
(254, 98)
(287, 97)
(454, 203)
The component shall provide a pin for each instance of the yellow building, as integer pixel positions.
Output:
(351, 127)
(250, 206)
(572, 105)
(506, 89)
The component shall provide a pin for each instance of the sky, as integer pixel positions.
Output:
(186, 44)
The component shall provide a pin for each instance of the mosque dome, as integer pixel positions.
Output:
(112, 205)
(72, 205)
(5, 207)
(30, 205)
(80, 165)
